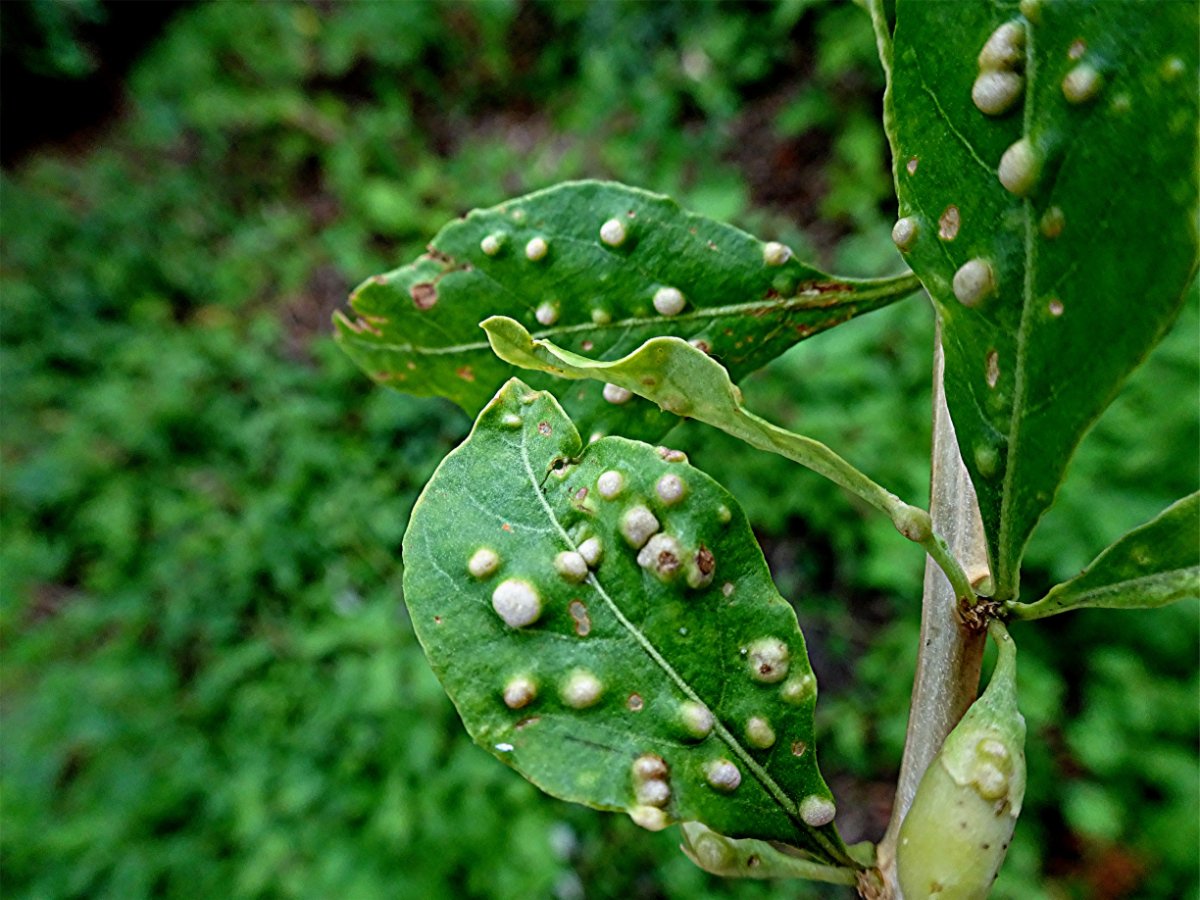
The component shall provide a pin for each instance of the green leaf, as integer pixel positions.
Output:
(687, 382)
(1153, 565)
(746, 301)
(662, 675)
(1052, 289)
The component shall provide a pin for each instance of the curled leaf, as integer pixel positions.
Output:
(750, 858)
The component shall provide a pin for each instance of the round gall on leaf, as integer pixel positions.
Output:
(697, 719)
(817, 811)
(637, 525)
(536, 249)
(581, 689)
(669, 301)
(592, 551)
(613, 232)
(653, 793)
(1005, 48)
(759, 732)
(775, 253)
(483, 562)
(671, 488)
(1081, 84)
(610, 484)
(519, 692)
(723, 775)
(974, 282)
(1020, 168)
(571, 566)
(649, 767)
(517, 602)
(650, 817)
(616, 394)
(904, 233)
(492, 244)
(547, 314)
(768, 660)
(995, 93)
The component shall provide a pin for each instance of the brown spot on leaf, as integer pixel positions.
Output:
(635, 703)
(705, 561)
(798, 748)
(667, 562)
(823, 287)
(544, 429)
(424, 295)
(527, 721)
(583, 622)
(911, 165)
(465, 373)
(948, 223)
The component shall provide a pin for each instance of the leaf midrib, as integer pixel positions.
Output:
(898, 284)
(1008, 574)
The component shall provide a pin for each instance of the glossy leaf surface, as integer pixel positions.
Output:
(597, 267)
(668, 658)
(1153, 565)
(1045, 161)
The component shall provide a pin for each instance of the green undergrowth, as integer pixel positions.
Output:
(209, 685)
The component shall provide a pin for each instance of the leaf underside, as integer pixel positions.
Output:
(1089, 266)
(1155, 564)
(664, 639)
(416, 328)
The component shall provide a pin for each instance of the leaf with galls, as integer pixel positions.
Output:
(565, 597)
(1062, 135)
(1154, 564)
(600, 268)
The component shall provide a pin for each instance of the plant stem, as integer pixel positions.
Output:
(949, 657)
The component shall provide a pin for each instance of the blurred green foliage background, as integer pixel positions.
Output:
(210, 688)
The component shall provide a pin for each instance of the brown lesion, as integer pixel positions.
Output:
(579, 614)
(424, 295)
